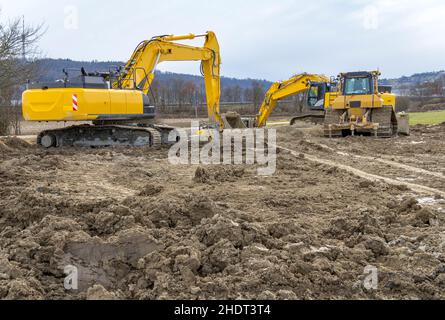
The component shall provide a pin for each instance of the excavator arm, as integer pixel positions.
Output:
(282, 90)
(139, 70)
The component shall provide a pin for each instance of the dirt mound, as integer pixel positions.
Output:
(170, 210)
(16, 143)
(150, 190)
(432, 107)
(300, 130)
(136, 227)
(98, 292)
(4, 148)
(218, 174)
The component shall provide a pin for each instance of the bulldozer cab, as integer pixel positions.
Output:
(358, 83)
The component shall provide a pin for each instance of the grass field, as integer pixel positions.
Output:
(432, 117)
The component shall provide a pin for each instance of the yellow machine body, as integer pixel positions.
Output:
(360, 105)
(125, 99)
(301, 83)
(78, 104)
(283, 89)
(366, 102)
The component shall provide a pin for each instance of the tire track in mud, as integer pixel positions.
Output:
(403, 166)
(384, 161)
(368, 176)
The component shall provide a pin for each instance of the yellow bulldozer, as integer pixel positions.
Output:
(362, 106)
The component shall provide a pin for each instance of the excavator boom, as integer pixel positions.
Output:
(278, 91)
(139, 70)
(284, 89)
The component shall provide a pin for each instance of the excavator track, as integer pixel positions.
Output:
(312, 118)
(387, 121)
(101, 136)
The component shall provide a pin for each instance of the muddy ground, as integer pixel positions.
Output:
(137, 227)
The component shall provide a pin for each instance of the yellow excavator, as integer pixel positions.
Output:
(318, 96)
(117, 103)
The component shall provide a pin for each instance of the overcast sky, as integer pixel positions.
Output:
(259, 39)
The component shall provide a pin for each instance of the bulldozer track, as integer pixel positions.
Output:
(384, 117)
(368, 176)
(332, 117)
(404, 166)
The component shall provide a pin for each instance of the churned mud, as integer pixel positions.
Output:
(137, 227)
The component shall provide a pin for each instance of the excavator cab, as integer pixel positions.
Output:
(316, 99)
(316, 95)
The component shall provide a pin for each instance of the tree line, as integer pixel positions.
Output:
(168, 88)
(186, 92)
(426, 89)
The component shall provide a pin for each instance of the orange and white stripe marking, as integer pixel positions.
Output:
(75, 104)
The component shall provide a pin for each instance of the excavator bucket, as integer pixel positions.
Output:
(233, 120)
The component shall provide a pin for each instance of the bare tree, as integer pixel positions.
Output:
(257, 94)
(188, 92)
(18, 52)
(237, 93)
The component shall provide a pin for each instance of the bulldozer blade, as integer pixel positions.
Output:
(403, 123)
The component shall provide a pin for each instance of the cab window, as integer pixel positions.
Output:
(358, 86)
(313, 96)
